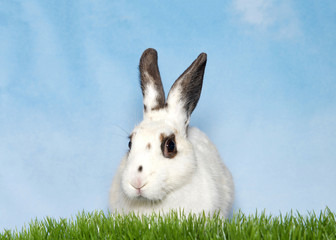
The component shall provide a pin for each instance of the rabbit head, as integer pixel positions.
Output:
(161, 159)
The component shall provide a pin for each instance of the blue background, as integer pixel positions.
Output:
(69, 96)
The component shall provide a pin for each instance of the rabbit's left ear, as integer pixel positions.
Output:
(186, 91)
(151, 85)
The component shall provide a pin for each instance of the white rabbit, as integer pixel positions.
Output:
(170, 165)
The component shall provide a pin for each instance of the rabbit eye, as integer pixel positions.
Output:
(168, 147)
(130, 141)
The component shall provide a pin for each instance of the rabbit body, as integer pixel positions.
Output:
(171, 165)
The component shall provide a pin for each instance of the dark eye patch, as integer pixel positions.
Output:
(168, 146)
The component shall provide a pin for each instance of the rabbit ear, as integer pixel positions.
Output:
(186, 91)
(151, 85)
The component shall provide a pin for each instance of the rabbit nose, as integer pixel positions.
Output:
(137, 183)
(140, 168)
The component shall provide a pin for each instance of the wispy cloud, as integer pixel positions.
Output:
(255, 12)
(276, 17)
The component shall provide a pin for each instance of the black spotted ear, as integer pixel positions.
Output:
(151, 85)
(186, 91)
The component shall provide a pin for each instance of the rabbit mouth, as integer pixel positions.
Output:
(141, 194)
(139, 189)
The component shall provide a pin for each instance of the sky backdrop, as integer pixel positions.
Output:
(69, 97)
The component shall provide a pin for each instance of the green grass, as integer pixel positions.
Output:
(98, 225)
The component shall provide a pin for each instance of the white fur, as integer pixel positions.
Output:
(195, 179)
(176, 110)
(150, 94)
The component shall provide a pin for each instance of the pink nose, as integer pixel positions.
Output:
(137, 183)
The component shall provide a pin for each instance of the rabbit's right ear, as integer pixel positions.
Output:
(186, 91)
(151, 85)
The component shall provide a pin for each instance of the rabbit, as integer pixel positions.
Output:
(171, 165)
